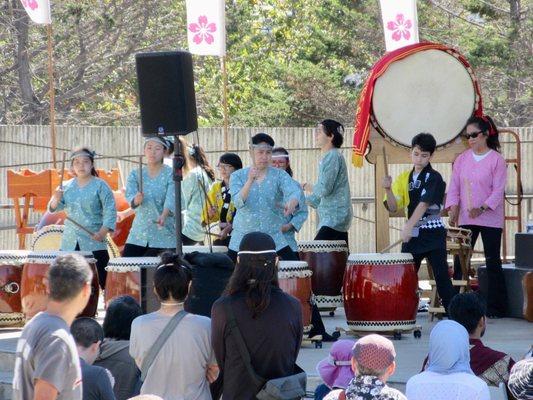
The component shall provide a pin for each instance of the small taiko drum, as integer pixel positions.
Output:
(49, 238)
(11, 264)
(327, 260)
(380, 292)
(295, 279)
(123, 273)
(34, 283)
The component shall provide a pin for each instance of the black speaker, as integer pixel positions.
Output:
(166, 93)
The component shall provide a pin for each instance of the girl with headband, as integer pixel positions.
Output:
(331, 193)
(475, 201)
(89, 201)
(263, 196)
(153, 229)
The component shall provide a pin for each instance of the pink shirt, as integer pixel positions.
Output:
(486, 179)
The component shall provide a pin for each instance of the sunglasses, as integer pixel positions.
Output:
(472, 135)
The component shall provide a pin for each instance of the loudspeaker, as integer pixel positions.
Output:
(523, 253)
(149, 301)
(166, 93)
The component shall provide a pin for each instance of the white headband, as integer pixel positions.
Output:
(255, 252)
(278, 156)
(262, 146)
(159, 140)
(83, 153)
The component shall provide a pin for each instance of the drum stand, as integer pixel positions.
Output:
(395, 334)
(460, 247)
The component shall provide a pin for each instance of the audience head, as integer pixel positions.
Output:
(119, 315)
(374, 355)
(521, 379)
(280, 159)
(469, 310)
(329, 131)
(262, 145)
(172, 278)
(256, 271)
(69, 281)
(335, 370)
(449, 348)
(88, 335)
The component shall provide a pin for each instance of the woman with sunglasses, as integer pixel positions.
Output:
(475, 201)
(219, 207)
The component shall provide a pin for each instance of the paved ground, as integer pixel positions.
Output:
(514, 336)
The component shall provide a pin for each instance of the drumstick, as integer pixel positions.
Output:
(468, 194)
(385, 163)
(120, 175)
(251, 149)
(140, 174)
(396, 243)
(62, 170)
(79, 226)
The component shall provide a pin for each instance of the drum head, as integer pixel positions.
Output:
(128, 264)
(47, 238)
(429, 91)
(380, 258)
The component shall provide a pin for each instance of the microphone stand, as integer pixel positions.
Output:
(177, 175)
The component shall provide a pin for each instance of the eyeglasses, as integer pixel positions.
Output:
(472, 135)
(224, 166)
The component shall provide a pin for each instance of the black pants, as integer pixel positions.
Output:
(497, 290)
(327, 233)
(439, 264)
(133, 250)
(102, 258)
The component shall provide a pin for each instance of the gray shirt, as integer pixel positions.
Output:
(46, 351)
(179, 370)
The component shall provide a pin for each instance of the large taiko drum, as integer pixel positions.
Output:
(327, 260)
(426, 91)
(11, 264)
(380, 292)
(34, 283)
(295, 279)
(118, 236)
(123, 273)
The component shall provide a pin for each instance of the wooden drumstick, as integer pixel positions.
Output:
(468, 189)
(141, 174)
(385, 162)
(251, 149)
(120, 174)
(396, 243)
(62, 170)
(79, 226)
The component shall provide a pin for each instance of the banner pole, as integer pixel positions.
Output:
(51, 92)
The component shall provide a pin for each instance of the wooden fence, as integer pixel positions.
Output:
(29, 147)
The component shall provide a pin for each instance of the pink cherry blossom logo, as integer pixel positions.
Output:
(203, 30)
(31, 4)
(400, 27)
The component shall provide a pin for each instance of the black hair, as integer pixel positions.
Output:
(170, 149)
(335, 129)
(201, 159)
(172, 277)
(90, 154)
(282, 150)
(67, 276)
(120, 313)
(231, 159)
(486, 125)
(263, 138)
(467, 309)
(255, 273)
(425, 141)
(86, 331)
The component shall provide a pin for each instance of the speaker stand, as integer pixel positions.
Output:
(177, 175)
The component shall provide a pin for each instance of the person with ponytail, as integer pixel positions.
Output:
(475, 201)
(331, 194)
(153, 229)
(89, 201)
(197, 179)
(270, 321)
(185, 364)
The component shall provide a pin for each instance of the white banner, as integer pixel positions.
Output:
(206, 27)
(38, 10)
(400, 23)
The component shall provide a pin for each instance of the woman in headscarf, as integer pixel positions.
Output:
(448, 375)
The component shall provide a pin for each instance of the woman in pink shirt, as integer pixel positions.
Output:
(475, 201)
